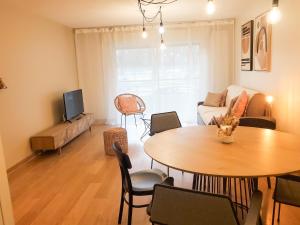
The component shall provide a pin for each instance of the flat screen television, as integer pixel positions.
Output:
(73, 102)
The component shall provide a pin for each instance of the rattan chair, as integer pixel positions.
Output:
(140, 107)
(139, 183)
(286, 192)
(162, 122)
(178, 206)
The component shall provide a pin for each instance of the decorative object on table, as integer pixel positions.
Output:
(2, 84)
(113, 135)
(129, 104)
(262, 49)
(226, 126)
(247, 46)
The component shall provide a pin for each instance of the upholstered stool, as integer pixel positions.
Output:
(112, 135)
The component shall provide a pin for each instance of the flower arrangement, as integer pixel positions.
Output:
(227, 125)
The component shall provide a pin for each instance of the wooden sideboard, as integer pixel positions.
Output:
(59, 135)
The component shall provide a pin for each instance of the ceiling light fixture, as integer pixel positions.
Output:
(155, 9)
(144, 33)
(274, 15)
(210, 7)
(162, 43)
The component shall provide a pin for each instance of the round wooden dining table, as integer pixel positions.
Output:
(255, 152)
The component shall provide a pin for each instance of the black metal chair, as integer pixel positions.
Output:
(139, 183)
(178, 206)
(162, 122)
(286, 192)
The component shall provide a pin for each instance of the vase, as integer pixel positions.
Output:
(227, 139)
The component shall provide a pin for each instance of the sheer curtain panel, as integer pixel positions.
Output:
(199, 58)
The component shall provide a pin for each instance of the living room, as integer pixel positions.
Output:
(171, 55)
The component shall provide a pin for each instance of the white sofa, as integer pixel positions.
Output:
(206, 113)
(256, 116)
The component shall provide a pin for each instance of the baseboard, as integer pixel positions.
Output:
(22, 162)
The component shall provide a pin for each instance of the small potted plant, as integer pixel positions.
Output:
(226, 126)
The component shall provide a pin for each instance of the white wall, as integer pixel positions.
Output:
(37, 62)
(283, 82)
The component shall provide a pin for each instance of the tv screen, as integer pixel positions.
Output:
(73, 104)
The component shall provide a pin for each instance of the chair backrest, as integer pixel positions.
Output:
(141, 107)
(164, 121)
(178, 206)
(287, 189)
(125, 164)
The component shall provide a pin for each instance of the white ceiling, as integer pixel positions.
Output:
(95, 13)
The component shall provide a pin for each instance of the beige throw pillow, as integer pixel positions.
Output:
(213, 99)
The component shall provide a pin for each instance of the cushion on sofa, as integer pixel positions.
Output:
(234, 90)
(223, 99)
(257, 106)
(240, 105)
(208, 112)
(213, 99)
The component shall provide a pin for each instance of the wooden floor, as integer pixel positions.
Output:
(82, 186)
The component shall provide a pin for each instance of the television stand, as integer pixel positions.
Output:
(59, 135)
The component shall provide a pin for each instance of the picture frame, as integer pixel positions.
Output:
(262, 48)
(247, 46)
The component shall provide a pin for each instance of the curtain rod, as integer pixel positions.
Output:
(154, 25)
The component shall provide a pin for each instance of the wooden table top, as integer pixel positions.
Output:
(255, 152)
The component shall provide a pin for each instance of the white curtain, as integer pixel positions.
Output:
(199, 58)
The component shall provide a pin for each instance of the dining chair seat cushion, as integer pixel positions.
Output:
(144, 180)
(287, 190)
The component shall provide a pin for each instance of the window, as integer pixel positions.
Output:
(168, 80)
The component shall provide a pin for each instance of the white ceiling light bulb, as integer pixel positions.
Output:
(210, 7)
(144, 34)
(274, 15)
(162, 45)
(161, 28)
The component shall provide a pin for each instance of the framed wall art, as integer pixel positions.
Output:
(262, 49)
(247, 47)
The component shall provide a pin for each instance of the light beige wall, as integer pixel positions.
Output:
(37, 62)
(284, 80)
(6, 213)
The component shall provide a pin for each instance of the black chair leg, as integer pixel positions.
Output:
(273, 215)
(151, 163)
(269, 182)
(278, 218)
(168, 171)
(130, 210)
(121, 207)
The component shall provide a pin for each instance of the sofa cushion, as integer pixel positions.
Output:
(235, 90)
(213, 99)
(208, 112)
(240, 105)
(257, 106)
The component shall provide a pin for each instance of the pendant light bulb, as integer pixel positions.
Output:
(210, 7)
(144, 34)
(274, 15)
(162, 45)
(161, 28)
